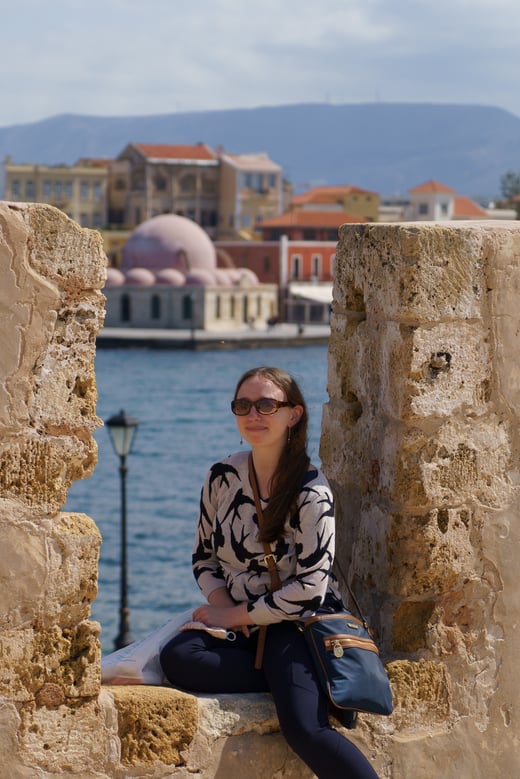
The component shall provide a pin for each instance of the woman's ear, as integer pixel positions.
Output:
(296, 415)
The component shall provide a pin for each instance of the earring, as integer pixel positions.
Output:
(289, 435)
(241, 441)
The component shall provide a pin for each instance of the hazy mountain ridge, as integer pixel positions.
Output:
(385, 147)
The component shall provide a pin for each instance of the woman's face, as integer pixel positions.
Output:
(262, 430)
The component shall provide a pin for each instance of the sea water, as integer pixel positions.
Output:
(181, 399)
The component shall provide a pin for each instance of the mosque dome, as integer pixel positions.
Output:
(140, 277)
(169, 241)
(200, 277)
(114, 278)
(170, 277)
(223, 277)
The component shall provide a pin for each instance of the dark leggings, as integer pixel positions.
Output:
(197, 662)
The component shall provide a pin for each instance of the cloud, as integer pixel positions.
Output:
(113, 57)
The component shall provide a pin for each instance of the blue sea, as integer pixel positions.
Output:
(181, 399)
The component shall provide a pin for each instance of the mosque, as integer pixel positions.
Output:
(172, 277)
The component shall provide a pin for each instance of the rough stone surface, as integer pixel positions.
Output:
(421, 443)
(420, 440)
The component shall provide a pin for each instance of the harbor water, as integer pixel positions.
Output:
(181, 399)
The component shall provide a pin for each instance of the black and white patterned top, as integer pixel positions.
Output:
(227, 551)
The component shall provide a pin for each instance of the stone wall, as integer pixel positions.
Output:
(421, 443)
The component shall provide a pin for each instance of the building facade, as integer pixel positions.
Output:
(80, 190)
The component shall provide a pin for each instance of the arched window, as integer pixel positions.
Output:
(125, 307)
(155, 307)
(218, 307)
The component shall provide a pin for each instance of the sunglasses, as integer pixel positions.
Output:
(265, 406)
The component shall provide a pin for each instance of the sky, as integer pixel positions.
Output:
(129, 58)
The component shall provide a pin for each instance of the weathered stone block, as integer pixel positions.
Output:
(48, 568)
(69, 658)
(411, 272)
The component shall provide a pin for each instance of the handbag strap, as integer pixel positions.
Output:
(350, 592)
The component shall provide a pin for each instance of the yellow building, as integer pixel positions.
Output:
(352, 200)
(79, 190)
(250, 191)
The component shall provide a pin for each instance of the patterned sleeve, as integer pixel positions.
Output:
(206, 567)
(314, 532)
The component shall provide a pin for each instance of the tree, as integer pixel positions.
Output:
(510, 185)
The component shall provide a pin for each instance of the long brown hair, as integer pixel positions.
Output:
(293, 464)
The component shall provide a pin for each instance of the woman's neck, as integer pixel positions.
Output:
(264, 466)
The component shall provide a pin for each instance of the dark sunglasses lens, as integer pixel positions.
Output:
(266, 406)
(241, 407)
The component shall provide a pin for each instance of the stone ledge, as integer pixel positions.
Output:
(164, 733)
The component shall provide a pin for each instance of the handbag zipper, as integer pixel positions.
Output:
(337, 644)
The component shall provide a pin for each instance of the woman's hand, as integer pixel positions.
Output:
(232, 617)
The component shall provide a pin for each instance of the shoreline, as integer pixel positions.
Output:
(282, 335)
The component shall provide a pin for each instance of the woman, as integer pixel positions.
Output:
(231, 568)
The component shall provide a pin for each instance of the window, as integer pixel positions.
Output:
(29, 189)
(272, 180)
(125, 308)
(188, 183)
(96, 219)
(83, 190)
(67, 188)
(316, 265)
(155, 307)
(15, 188)
(83, 220)
(96, 190)
(232, 306)
(218, 307)
(187, 307)
(296, 262)
(259, 305)
(423, 209)
(47, 189)
(245, 308)
(444, 209)
(120, 184)
(160, 183)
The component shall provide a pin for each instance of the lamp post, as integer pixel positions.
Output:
(122, 428)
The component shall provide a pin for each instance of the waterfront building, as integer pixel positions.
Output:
(79, 190)
(250, 190)
(170, 279)
(351, 200)
(147, 180)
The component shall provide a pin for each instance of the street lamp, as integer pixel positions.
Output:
(122, 428)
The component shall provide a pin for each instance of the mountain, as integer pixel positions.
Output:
(385, 147)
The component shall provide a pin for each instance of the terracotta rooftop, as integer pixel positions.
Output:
(431, 188)
(166, 151)
(465, 208)
(328, 194)
(310, 219)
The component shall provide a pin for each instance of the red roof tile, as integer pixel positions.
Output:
(465, 208)
(310, 219)
(330, 194)
(431, 187)
(166, 151)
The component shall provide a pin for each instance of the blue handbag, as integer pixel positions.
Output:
(348, 665)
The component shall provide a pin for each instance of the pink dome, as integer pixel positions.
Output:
(114, 278)
(140, 277)
(169, 241)
(248, 277)
(223, 277)
(201, 277)
(170, 277)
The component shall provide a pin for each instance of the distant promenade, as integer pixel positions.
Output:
(283, 335)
